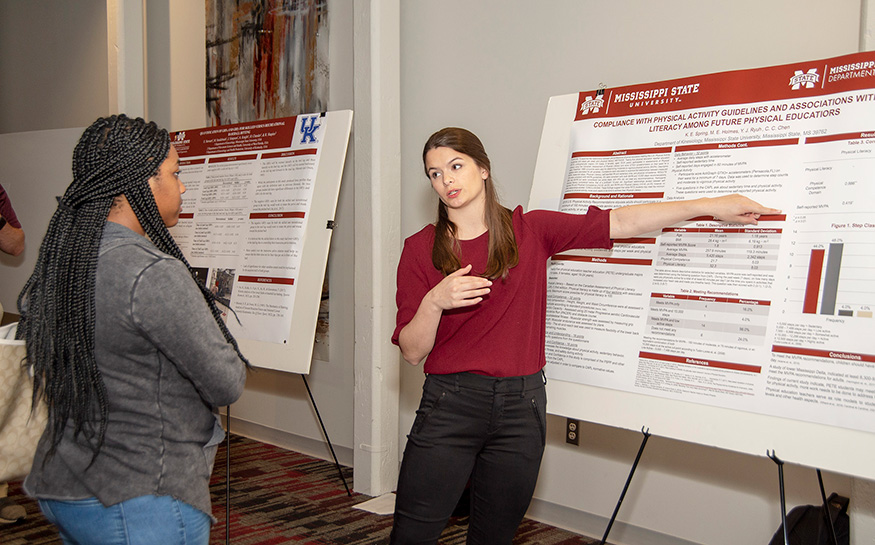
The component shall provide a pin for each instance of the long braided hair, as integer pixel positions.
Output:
(115, 156)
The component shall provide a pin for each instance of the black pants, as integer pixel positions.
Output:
(491, 430)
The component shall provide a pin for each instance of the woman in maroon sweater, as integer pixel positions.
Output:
(472, 297)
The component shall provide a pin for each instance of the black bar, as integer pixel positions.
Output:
(228, 475)
(327, 439)
(826, 511)
(781, 486)
(625, 488)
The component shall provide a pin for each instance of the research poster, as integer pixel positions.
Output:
(774, 318)
(249, 188)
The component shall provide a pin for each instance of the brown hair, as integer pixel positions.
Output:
(503, 252)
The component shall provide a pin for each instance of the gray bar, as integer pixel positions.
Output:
(831, 279)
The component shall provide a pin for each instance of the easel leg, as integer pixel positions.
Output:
(625, 488)
(327, 439)
(826, 513)
(228, 474)
(781, 487)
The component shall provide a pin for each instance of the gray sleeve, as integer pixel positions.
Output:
(171, 312)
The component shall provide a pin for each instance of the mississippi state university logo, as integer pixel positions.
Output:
(591, 105)
(180, 136)
(309, 128)
(804, 79)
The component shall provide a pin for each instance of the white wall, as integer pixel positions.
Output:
(275, 406)
(53, 64)
(490, 66)
(35, 167)
(175, 63)
(53, 75)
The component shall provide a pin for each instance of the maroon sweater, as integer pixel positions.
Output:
(503, 335)
(6, 211)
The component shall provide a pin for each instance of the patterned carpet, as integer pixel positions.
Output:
(279, 496)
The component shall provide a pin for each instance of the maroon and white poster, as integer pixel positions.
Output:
(244, 216)
(775, 318)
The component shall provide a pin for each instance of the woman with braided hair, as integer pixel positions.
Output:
(128, 350)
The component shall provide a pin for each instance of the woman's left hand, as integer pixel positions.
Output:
(738, 209)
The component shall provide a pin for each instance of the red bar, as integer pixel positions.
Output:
(613, 260)
(275, 215)
(739, 145)
(186, 162)
(831, 354)
(596, 196)
(752, 302)
(764, 217)
(233, 158)
(701, 362)
(744, 88)
(293, 153)
(266, 280)
(634, 240)
(615, 153)
(668, 296)
(683, 229)
(812, 286)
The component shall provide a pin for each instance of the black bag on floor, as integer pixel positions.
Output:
(807, 525)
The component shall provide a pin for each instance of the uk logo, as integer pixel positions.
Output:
(309, 131)
(591, 105)
(804, 79)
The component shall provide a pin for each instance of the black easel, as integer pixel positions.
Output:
(826, 513)
(331, 224)
(228, 459)
(625, 488)
(327, 439)
(228, 474)
(781, 488)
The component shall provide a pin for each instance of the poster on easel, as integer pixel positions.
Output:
(774, 319)
(255, 225)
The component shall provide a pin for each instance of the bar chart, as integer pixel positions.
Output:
(838, 280)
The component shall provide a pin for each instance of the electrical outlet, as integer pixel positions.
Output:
(572, 431)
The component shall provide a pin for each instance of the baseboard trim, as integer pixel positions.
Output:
(560, 516)
(291, 441)
(589, 524)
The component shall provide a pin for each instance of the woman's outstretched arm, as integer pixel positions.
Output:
(630, 221)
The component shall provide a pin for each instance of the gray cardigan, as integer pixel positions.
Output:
(166, 367)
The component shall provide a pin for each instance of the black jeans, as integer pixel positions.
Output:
(491, 430)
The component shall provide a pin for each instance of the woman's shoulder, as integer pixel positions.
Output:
(417, 249)
(554, 218)
(423, 237)
(126, 254)
(535, 219)
(118, 239)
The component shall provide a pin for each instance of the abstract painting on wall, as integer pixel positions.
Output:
(266, 59)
